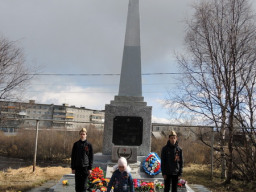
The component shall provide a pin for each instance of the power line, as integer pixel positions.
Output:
(100, 84)
(83, 92)
(97, 74)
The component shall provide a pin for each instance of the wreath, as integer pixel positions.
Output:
(152, 164)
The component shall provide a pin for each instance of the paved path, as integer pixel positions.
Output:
(71, 187)
(199, 188)
(53, 186)
(45, 187)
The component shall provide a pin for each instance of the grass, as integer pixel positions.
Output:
(23, 179)
(201, 174)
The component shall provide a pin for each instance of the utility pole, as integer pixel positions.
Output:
(36, 139)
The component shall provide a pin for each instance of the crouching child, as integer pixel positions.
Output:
(121, 179)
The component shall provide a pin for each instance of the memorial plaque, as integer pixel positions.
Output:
(129, 152)
(127, 130)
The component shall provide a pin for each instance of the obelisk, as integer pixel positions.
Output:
(130, 79)
(128, 118)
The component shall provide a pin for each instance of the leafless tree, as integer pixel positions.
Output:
(14, 74)
(219, 69)
(246, 116)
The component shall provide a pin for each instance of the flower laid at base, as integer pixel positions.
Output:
(158, 185)
(97, 183)
(182, 183)
(96, 180)
(65, 182)
(140, 185)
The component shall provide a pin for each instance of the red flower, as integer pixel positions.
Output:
(179, 185)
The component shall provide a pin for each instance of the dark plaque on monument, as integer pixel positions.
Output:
(127, 131)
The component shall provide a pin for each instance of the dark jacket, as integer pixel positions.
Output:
(121, 181)
(171, 160)
(82, 155)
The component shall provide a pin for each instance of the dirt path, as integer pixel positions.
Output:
(15, 163)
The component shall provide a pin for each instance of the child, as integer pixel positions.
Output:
(121, 179)
(81, 161)
(171, 163)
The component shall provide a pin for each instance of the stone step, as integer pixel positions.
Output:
(199, 188)
(59, 187)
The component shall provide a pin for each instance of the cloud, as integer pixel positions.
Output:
(89, 97)
(160, 120)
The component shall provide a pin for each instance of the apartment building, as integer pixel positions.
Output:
(24, 115)
(76, 117)
(9, 111)
(159, 130)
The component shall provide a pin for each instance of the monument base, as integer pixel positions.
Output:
(117, 113)
(104, 161)
(137, 171)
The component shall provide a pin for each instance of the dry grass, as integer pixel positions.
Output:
(201, 174)
(24, 178)
(53, 145)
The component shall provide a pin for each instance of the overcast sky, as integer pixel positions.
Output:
(87, 37)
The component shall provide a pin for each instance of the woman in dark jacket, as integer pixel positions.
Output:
(171, 163)
(81, 161)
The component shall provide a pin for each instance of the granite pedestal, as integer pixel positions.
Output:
(131, 134)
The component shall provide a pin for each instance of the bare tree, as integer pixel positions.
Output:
(220, 63)
(246, 116)
(14, 74)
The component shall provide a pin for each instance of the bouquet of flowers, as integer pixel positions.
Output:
(181, 183)
(97, 173)
(140, 185)
(152, 164)
(159, 185)
(96, 180)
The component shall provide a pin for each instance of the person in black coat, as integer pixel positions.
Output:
(81, 161)
(171, 163)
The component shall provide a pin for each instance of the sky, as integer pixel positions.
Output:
(84, 37)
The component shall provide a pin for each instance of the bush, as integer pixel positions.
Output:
(53, 145)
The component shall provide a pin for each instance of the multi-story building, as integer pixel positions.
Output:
(34, 110)
(76, 117)
(24, 115)
(159, 130)
(9, 111)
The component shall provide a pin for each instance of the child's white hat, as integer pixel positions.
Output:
(122, 162)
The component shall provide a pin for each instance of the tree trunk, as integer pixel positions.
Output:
(230, 157)
(222, 153)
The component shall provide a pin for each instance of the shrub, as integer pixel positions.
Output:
(53, 145)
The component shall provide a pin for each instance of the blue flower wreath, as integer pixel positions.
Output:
(152, 164)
